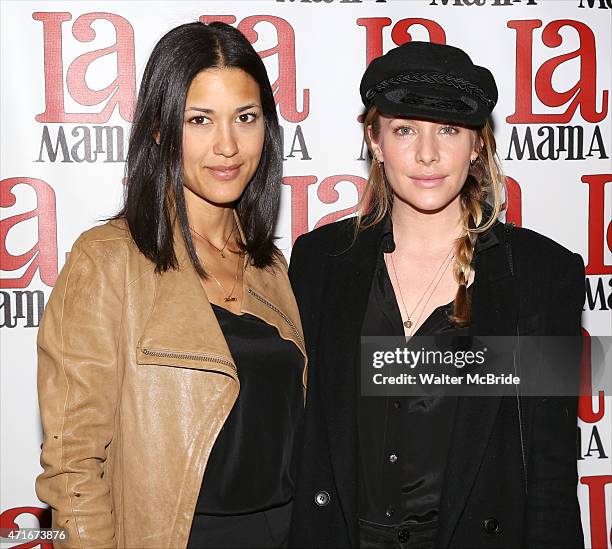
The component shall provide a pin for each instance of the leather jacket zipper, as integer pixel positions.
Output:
(278, 312)
(192, 356)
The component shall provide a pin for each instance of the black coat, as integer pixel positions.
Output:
(502, 487)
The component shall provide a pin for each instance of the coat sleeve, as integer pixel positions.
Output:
(77, 393)
(553, 510)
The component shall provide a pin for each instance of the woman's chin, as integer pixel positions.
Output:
(427, 206)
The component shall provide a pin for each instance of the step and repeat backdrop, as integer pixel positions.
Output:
(70, 74)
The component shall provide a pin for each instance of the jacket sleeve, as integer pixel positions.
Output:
(305, 275)
(77, 393)
(553, 510)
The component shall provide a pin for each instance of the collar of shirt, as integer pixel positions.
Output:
(387, 243)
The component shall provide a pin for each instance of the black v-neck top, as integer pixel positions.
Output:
(249, 467)
(403, 441)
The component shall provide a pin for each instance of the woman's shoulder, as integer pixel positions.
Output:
(536, 249)
(115, 230)
(330, 235)
(110, 246)
(329, 239)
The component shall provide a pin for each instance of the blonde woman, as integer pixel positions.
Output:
(427, 255)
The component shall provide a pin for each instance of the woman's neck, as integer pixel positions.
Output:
(430, 233)
(211, 220)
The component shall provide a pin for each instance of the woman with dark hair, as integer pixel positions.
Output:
(171, 359)
(427, 256)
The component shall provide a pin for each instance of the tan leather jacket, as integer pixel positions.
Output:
(135, 381)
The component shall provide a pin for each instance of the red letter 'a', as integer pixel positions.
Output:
(43, 255)
(285, 88)
(400, 33)
(8, 521)
(328, 194)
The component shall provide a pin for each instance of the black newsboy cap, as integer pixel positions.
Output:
(431, 81)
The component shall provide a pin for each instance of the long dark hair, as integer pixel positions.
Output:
(154, 193)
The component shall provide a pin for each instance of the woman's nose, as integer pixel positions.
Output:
(426, 149)
(225, 142)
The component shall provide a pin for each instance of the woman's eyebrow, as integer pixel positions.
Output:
(211, 111)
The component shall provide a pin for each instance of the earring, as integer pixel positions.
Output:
(473, 161)
(379, 163)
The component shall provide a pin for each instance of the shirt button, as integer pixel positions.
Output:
(392, 458)
(390, 511)
(322, 498)
(403, 535)
(491, 525)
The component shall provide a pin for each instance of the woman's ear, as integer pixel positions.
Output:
(478, 145)
(376, 150)
(156, 136)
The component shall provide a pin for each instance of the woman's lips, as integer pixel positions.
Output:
(225, 173)
(428, 182)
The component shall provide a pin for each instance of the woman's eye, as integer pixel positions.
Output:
(199, 120)
(403, 130)
(449, 130)
(247, 117)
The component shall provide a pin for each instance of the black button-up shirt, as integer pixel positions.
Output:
(403, 441)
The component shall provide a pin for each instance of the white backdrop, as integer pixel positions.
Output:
(69, 76)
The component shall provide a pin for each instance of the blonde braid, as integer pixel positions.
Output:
(464, 252)
(485, 177)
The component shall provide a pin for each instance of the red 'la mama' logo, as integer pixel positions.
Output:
(120, 93)
(85, 143)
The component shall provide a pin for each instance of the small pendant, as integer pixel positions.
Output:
(226, 299)
(408, 323)
(222, 255)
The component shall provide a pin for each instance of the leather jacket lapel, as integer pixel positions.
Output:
(182, 330)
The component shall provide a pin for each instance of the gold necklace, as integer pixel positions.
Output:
(416, 322)
(408, 323)
(220, 250)
(227, 297)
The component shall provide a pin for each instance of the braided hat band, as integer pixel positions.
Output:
(431, 78)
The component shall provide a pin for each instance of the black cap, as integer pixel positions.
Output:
(431, 81)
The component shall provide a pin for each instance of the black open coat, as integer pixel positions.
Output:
(502, 488)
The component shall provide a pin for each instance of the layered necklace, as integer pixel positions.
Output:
(429, 291)
(228, 297)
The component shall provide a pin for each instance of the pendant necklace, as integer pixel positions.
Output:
(408, 323)
(227, 297)
(220, 250)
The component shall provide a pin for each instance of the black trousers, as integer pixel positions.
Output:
(265, 529)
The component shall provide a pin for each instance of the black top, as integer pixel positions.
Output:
(248, 469)
(403, 441)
